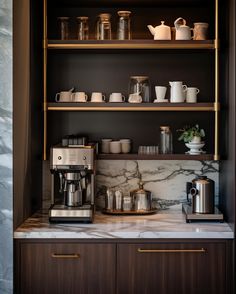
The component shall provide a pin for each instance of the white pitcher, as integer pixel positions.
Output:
(177, 92)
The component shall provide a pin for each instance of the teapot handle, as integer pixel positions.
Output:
(177, 22)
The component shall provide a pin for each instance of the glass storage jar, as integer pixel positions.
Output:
(123, 29)
(166, 146)
(83, 28)
(104, 27)
(64, 27)
(140, 86)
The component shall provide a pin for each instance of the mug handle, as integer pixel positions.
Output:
(57, 99)
(123, 98)
(86, 97)
(198, 91)
(103, 97)
(185, 88)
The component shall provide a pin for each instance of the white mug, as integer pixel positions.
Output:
(160, 92)
(135, 98)
(191, 94)
(115, 147)
(105, 145)
(97, 97)
(125, 145)
(64, 96)
(177, 92)
(79, 97)
(116, 97)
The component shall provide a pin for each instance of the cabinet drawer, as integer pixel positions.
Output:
(168, 268)
(67, 268)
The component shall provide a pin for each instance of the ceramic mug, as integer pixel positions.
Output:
(79, 97)
(97, 97)
(200, 31)
(125, 145)
(115, 147)
(105, 145)
(191, 94)
(116, 97)
(64, 96)
(160, 93)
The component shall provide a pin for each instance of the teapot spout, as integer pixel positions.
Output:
(151, 29)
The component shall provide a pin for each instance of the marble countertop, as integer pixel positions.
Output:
(165, 224)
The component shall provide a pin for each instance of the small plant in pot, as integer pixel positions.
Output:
(192, 137)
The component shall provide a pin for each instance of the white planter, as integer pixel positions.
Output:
(195, 140)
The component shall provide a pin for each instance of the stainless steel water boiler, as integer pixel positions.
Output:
(203, 196)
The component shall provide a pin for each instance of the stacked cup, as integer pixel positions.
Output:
(115, 146)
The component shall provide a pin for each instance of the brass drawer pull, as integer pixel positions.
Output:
(202, 250)
(55, 255)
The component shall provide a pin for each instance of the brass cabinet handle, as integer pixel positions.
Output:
(56, 255)
(202, 250)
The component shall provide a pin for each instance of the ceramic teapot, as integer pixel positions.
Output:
(183, 32)
(161, 32)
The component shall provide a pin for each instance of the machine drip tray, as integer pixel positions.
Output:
(190, 216)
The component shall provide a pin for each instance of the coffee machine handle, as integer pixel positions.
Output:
(188, 188)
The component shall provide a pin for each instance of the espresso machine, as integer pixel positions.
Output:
(72, 183)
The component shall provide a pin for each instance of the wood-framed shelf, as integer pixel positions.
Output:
(91, 106)
(132, 156)
(130, 44)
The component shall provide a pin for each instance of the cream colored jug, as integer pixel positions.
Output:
(183, 32)
(177, 92)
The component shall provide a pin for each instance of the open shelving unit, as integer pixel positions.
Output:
(55, 46)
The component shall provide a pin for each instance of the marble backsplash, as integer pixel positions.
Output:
(165, 178)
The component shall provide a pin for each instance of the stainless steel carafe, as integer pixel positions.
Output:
(142, 199)
(203, 196)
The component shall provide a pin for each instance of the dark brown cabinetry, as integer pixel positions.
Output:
(163, 267)
(66, 268)
(196, 268)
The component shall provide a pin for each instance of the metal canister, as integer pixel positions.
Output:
(109, 200)
(142, 199)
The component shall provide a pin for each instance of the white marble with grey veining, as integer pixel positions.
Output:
(165, 224)
(6, 194)
(166, 179)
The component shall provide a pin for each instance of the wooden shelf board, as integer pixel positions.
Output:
(129, 44)
(132, 156)
(91, 106)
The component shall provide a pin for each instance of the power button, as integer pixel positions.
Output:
(84, 158)
(59, 157)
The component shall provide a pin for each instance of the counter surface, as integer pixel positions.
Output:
(165, 224)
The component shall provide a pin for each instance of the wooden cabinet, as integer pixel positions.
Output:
(162, 267)
(48, 268)
(172, 268)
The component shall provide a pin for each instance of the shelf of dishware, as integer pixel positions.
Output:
(130, 44)
(125, 106)
(132, 156)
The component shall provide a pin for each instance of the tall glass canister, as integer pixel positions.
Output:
(64, 27)
(123, 29)
(166, 145)
(83, 28)
(104, 27)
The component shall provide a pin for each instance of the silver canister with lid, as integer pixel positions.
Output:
(142, 199)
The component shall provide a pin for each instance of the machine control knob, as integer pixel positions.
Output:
(59, 157)
(84, 158)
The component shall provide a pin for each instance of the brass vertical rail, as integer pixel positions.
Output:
(216, 151)
(45, 41)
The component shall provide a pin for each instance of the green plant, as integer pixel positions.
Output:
(189, 132)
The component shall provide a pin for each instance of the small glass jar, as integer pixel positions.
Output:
(123, 29)
(104, 27)
(139, 86)
(83, 28)
(64, 27)
(166, 146)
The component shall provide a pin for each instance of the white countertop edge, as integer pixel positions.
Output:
(124, 235)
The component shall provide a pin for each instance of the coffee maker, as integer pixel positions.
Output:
(72, 183)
